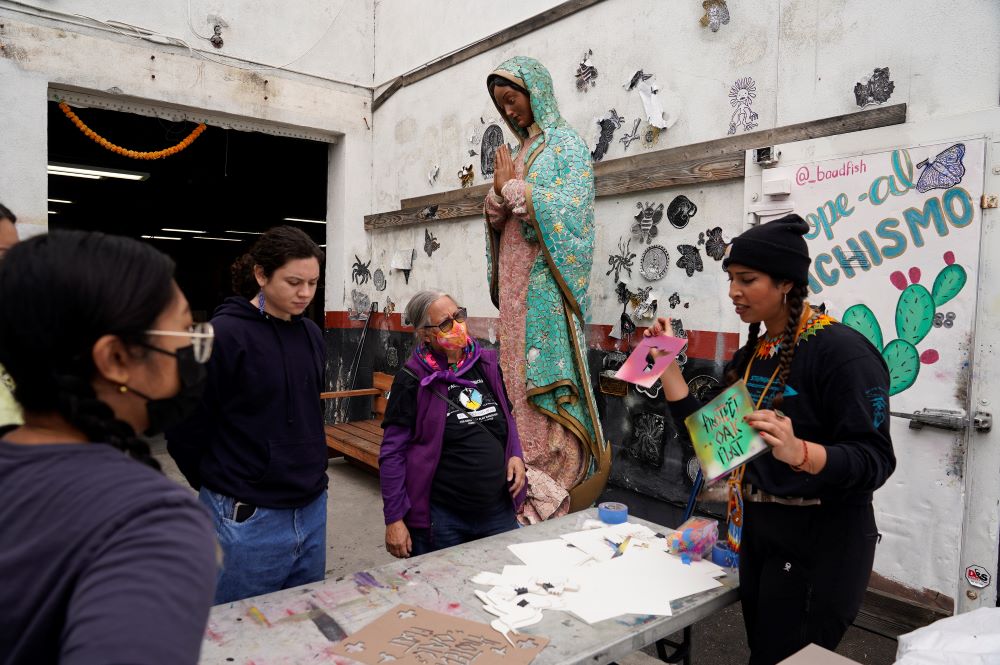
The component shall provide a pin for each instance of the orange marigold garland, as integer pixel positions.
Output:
(134, 154)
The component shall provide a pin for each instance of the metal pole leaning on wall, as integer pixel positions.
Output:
(356, 360)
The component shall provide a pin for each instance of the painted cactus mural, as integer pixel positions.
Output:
(915, 313)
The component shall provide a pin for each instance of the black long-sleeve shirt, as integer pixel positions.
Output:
(102, 559)
(837, 395)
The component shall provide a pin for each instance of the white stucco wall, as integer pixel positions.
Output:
(409, 34)
(39, 53)
(804, 55)
(332, 40)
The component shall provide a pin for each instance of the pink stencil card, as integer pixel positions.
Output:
(642, 368)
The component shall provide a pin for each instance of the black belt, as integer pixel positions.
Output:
(754, 495)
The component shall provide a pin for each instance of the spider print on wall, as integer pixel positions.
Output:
(622, 260)
(741, 97)
(360, 273)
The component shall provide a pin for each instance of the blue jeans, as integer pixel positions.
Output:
(449, 529)
(273, 549)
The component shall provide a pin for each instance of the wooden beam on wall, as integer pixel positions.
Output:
(527, 26)
(719, 159)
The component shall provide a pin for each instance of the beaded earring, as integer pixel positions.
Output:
(260, 303)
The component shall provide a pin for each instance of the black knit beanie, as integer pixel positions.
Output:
(776, 248)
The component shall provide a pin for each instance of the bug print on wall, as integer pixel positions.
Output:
(586, 73)
(690, 261)
(644, 229)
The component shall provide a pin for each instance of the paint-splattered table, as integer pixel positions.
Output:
(300, 625)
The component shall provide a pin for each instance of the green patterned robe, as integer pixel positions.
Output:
(560, 200)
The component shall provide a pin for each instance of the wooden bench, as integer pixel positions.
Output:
(360, 440)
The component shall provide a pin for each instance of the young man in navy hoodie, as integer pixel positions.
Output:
(257, 450)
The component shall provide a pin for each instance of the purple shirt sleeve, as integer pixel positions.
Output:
(143, 595)
(392, 472)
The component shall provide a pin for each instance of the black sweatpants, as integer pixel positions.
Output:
(803, 574)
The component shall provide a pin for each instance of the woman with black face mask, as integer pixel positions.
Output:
(102, 559)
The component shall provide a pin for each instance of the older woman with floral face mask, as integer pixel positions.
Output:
(451, 466)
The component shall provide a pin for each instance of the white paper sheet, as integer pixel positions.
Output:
(594, 541)
(555, 554)
(641, 581)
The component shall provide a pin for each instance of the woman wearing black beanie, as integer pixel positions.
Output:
(822, 394)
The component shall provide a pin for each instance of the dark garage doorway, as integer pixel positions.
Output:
(229, 185)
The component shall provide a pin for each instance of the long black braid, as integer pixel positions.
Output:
(796, 302)
(59, 294)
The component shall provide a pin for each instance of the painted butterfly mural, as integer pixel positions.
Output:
(946, 170)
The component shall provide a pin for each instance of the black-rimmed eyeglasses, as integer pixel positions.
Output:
(201, 335)
(458, 317)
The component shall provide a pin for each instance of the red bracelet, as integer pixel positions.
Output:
(805, 457)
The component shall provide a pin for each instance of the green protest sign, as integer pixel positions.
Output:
(722, 440)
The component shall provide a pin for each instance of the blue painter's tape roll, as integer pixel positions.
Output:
(725, 557)
(612, 512)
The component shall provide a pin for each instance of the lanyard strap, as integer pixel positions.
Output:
(734, 485)
(458, 408)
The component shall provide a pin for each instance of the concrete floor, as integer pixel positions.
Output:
(355, 508)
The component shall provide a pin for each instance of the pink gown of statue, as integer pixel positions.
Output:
(552, 454)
